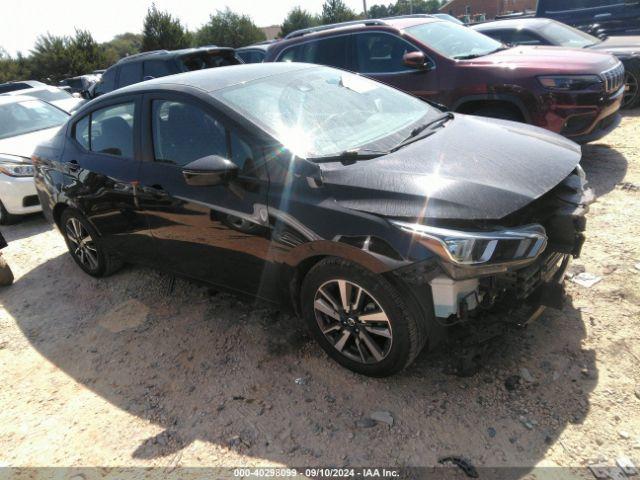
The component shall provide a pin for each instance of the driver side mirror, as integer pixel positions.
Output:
(209, 171)
(417, 60)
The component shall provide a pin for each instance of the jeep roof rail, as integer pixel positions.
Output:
(411, 15)
(320, 28)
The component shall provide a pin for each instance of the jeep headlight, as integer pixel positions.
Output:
(479, 248)
(567, 83)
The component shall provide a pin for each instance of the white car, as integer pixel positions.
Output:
(24, 123)
(53, 95)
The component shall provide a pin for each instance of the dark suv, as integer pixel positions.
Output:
(160, 63)
(602, 18)
(574, 93)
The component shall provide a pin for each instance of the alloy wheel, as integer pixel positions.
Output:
(353, 321)
(630, 90)
(82, 244)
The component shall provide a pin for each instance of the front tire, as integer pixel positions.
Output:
(360, 319)
(84, 245)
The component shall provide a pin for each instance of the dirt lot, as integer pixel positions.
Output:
(124, 371)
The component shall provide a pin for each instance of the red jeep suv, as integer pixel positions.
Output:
(571, 92)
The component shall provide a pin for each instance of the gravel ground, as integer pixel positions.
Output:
(126, 371)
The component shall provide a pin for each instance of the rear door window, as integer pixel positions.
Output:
(130, 73)
(156, 69)
(332, 52)
(112, 130)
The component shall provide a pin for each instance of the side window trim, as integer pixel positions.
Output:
(73, 132)
(350, 49)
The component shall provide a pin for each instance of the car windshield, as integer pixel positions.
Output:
(19, 118)
(49, 95)
(320, 112)
(565, 36)
(453, 41)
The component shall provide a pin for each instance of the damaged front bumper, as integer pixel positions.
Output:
(516, 292)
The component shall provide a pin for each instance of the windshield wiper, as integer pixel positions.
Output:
(477, 55)
(348, 157)
(415, 133)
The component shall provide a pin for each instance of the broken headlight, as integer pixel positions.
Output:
(479, 248)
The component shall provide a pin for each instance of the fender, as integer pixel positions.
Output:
(515, 101)
(372, 261)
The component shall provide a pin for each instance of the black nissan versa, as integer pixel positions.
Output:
(378, 218)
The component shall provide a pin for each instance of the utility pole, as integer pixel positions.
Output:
(364, 8)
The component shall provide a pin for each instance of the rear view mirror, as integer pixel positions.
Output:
(416, 60)
(209, 171)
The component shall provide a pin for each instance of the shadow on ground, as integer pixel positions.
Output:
(26, 227)
(234, 373)
(605, 167)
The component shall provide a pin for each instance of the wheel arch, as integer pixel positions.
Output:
(473, 102)
(303, 257)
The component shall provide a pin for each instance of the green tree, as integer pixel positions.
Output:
(9, 68)
(86, 54)
(404, 7)
(54, 58)
(229, 29)
(334, 11)
(121, 46)
(297, 19)
(162, 31)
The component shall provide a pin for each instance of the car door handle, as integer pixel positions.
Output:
(73, 165)
(602, 15)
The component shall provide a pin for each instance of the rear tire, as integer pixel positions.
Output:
(501, 112)
(85, 246)
(376, 334)
(6, 218)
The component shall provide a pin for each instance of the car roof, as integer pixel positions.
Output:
(169, 54)
(212, 79)
(513, 23)
(399, 22)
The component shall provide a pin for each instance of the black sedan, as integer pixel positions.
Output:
(543, 31)
(379, 219)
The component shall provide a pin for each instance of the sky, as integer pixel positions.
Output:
(22, 21)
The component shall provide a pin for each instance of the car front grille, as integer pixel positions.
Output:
(613, 78)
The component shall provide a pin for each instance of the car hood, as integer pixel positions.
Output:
(548, 59)
(621, 46)
(471, 169)
(22, 146)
